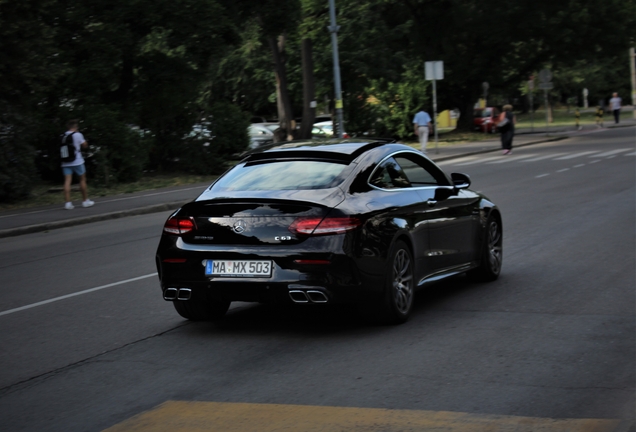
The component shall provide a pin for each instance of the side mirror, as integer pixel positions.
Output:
(460, 181)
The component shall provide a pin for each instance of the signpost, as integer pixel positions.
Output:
(530, 94)
(585, 93)
(433, 71)
(545, 78)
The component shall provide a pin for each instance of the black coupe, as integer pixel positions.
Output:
(359, 221)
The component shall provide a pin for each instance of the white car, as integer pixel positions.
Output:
(325, 130)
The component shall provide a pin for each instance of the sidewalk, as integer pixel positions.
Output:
(38, 219)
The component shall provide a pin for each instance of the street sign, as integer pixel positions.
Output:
(434, 70)
(545, 76)
(546, 86)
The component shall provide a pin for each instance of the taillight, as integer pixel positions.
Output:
(179, 226)
(319, 226)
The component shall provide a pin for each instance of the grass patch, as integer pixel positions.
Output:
(52, 193)
(560, 117)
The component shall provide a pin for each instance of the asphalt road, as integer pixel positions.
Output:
(87, 343)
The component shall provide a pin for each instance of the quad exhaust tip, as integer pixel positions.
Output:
(171, 294)
(309, 296)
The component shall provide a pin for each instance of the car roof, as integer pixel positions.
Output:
(334, 149)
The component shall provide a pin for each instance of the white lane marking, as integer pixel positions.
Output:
(564, 170)
(594, 161)
(575, 155)
(630, 154)
(481, 160)
(579, 165)
(112, 200)
(542, 175)
(458, 160)
(511, 159)
(549, 156)
(611, 152)
(90, 290)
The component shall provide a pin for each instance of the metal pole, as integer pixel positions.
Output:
(531, 112)
(333, 28)
(632, 68)
(435, 112)
(547, 112)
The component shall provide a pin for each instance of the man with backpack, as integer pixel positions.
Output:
(73, 163)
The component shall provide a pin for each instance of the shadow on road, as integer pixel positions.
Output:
(321, 320)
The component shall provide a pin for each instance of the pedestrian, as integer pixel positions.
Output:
(615, 106)
(421, 125)
(75, 166)
(506, 125)
(599, 116)
(577, 118)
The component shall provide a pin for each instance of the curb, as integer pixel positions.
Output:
(29, 229)
(173, 205)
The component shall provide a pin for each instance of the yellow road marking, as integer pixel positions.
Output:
(178, 416)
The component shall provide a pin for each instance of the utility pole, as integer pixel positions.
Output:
(632, 68)
(333, 28)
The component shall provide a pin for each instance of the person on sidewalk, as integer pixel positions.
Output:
(599, 116)
(615, 106)
(506, 125)
(75, 167)
(421, 125)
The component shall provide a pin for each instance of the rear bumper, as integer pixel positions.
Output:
(265, 292)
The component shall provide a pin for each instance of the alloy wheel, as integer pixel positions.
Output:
(494, 247)
(402, 281)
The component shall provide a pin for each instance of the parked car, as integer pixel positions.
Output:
(261, 134)
(485, 119)
(325, 130)
(318, 222)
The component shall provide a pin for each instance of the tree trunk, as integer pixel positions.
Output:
(309, 96)
(466, 114)
(286, 116)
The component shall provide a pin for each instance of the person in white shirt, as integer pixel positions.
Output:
(615, 106)
(421, 124)
(76, 167)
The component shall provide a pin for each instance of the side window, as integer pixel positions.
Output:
(389, 175)
(417, 175)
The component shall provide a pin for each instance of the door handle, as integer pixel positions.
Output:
(431, 202)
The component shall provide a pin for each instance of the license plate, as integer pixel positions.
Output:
(238, 268)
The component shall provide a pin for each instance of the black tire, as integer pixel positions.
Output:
(397, 301)
(491, 253)
(201, 310)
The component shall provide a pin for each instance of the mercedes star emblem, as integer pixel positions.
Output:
(239, 226)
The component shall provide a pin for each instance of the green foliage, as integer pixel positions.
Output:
(117, 152)
(390, 106)
(216, 139)
(17, 170)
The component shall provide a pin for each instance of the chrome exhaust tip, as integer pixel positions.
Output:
(170, 294)
(298, 296)
(184, 294)
(317, 297)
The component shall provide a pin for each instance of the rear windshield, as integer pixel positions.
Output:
(281, 175)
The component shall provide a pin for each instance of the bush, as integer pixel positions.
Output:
(118, 152)
(215, 140)
(17, 170)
